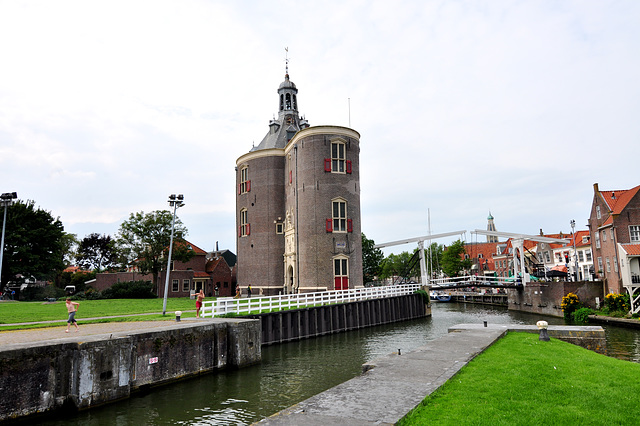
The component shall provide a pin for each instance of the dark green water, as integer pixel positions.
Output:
(292, 372)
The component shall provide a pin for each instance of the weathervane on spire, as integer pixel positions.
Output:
(286, 61)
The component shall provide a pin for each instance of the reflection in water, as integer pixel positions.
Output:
(292, 372)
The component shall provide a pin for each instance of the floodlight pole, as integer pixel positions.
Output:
(6, 200)
(174, 202)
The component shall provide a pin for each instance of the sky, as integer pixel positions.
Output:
(464, 107)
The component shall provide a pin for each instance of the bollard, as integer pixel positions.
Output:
(485, 323)
(544, 335)
(399, 352)
(178, 315)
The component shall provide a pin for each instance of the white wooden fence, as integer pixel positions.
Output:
(262, 304)
(470, 279)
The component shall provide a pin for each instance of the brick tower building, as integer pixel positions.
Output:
(298, 206)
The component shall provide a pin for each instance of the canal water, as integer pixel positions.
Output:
(292, 372)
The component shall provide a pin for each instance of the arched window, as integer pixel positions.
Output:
(244, 228)
(281, 102)
(288, 101)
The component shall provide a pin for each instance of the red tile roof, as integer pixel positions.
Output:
(631, 249)
(617, 200)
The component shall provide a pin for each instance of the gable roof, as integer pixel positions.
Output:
(631, 249)
(617, 201)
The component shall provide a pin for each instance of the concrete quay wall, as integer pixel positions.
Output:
(287, 326)
(546, 297)
(66, 373)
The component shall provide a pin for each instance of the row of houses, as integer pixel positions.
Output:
(608, 250)
(213, 272)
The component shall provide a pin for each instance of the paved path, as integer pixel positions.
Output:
(391, 386)
(52, 333)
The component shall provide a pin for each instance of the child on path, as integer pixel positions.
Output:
(199, 299)
(72, 308)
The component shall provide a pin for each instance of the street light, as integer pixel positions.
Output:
(174, 202)
(6, 200)
(575, 254)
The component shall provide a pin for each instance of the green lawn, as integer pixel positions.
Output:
(522, 381)
(17, 312)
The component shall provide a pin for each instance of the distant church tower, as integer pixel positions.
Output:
(298, 205)
(491, 227)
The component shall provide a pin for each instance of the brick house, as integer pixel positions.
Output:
(614, 227)
(204, 271)
(298, 206)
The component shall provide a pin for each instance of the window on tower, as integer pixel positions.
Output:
(339, 216)
(287, 101)
(337, 157)
(244, 228)
(245, 183)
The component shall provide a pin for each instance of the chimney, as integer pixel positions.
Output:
(541, 234)
(613, 195)
(595, 188)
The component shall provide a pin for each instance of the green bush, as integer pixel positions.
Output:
(582, 315)
(129, 290)
(614, 302)
(40, 293)
(570, 303)
(424, 294)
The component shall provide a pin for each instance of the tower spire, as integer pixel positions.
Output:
(286, 61)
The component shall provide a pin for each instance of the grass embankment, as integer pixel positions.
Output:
(522, 381)
(22, 312)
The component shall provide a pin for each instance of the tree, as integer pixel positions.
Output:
(371, 260)
(453, 260)
(97, 252)
(35, 244)
(399, 265)
(144, 241)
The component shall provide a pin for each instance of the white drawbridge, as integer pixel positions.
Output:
(425, 279)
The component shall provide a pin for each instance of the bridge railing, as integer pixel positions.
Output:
(261, 304)
(471, 279)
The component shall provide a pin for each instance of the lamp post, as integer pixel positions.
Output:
(575, 254)
(6, 200)
(174, 202)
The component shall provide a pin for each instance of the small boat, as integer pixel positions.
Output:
(439, 297)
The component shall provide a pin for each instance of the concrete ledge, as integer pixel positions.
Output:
(622, 322)
(85, 371)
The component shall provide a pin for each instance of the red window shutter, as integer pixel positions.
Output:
(239, 188)
(327, 164)
(248, 228)
(240, 231)
(348, 166)
(329, 225)
(290, 176)
(248, 185)
(349, 225)
(337, 283)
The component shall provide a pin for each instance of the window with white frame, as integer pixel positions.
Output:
(608, 264)
(174, 285)
(587, 255)
(339, 216)
(612, 236)
(597, 235)
(604, 236)
(341, 273)
(186, 284)
(599, 264)
(337, 157)
(615, 263)
(245, 183)
(634, 233)
(580, 256)
(547, 256)
(598, 215)
(244, 223)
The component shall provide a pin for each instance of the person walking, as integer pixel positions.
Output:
(199, 300)
(72, 308)
(249, 292)
(238, 293)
